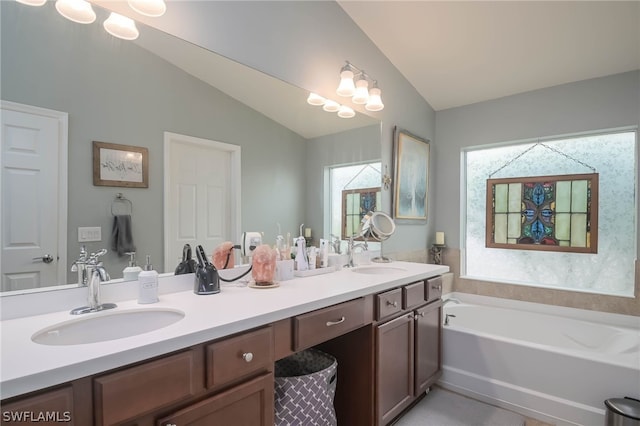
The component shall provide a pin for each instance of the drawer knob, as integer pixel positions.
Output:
(436, 287)
(336, 322)
(418, 315)
(394, 303)
(247, 356)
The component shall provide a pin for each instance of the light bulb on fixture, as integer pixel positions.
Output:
(375, 100)
(153, 8)
(121, 27)
(32, 2)
(331, 106)
(346, 87)
(361, 96)
(79, 11)
(315, 99)
(346, 112)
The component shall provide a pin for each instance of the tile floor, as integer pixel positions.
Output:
(444, 408)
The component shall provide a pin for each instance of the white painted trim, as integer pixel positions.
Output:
(235, 189)
(63, 155)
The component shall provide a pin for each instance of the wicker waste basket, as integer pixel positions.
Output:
(305, 385)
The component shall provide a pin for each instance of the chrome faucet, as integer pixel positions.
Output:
(450, 300)
(96, 274)
(80, 266)
(351, 248)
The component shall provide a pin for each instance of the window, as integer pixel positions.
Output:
(612, 269)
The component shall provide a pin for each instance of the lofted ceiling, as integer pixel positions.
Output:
(461, 52)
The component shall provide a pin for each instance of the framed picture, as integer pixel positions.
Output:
(120, 165)
(411, 175)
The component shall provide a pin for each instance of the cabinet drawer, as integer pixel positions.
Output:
(413, 295)
(389, 303)
(238, 357)
(434, 288)
(141, 389)
(325, 324)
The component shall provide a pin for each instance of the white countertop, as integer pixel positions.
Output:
(26, 366)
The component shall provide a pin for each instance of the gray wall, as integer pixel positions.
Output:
(306, 43)
(116, 92)
(590, 105)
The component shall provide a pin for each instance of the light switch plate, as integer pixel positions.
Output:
(89, 233)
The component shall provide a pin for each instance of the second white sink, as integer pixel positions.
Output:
(106, 326)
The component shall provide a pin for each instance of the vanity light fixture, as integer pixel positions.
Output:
(153, 8)
(359, 90)
(346, 112)
(315, 99)
(79, 11)
(32, 2)
(375, 101)
(121, 27)
(331, 106)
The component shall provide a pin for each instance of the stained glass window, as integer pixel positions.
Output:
(553, 213)
(355, 204)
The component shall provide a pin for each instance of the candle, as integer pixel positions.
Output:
(440, 238)
(307, 232)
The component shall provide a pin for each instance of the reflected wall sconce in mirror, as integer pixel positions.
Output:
(359, 90)
(330, 106)
(117, 25)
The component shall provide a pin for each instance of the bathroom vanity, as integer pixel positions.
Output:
(215, 365)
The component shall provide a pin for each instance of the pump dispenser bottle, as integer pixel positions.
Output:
(130, 273)
(148, 284)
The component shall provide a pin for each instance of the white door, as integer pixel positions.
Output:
(202, 195)
(33, 180)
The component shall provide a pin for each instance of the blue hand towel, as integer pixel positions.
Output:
(121, 235)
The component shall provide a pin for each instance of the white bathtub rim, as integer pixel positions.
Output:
(607, 318)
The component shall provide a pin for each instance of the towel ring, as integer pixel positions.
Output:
(121, 199)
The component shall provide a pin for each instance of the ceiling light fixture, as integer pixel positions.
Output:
(359, 90)
(153, 8)
(331, 106)
(346, 112)
(79, 11)
(121, 27)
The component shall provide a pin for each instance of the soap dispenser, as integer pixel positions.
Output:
(130, 273)
(148, 284)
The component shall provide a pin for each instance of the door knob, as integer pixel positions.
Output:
(47, 258)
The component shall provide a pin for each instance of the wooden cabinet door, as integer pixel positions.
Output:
(49, 408)
(428, 346)
(248, 404)
(394, 364)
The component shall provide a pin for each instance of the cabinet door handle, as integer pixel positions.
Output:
(247, 356)
(418, 316)
(436, 287)
(340, 321)
(394, 303)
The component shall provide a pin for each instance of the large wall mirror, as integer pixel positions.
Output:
(131, 93)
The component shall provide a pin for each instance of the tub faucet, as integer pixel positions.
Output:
(352, 247)
(446, 318)
(450, 300)
(96, 274)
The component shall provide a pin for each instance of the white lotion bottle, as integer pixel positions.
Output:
(148, 284)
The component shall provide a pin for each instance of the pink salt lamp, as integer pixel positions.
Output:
(220, 255)
(264, 265)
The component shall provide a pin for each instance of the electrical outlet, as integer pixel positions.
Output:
(89, 233)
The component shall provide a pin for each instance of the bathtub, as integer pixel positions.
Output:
(551, 363)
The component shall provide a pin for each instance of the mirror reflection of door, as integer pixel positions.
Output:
(202, 195)
(33, 215)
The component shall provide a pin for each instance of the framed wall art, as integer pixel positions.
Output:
(120, 165)
(411, 175)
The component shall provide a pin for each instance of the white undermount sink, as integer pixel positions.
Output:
(375, 270)
(104, 326)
